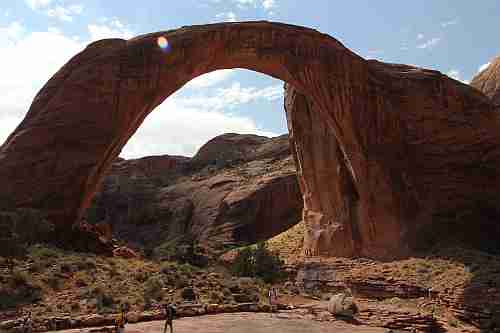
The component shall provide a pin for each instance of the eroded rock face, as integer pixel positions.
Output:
(238, 189)
(488, 81)
(330, 197)
(421, 149)
(427, 150)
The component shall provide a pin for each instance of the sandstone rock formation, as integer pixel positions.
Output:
(342, 305)
(421, 150)
(238, 189)
(488, 81)
(433, 142)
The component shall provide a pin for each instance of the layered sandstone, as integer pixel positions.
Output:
(421, 150)
(431, 176)
(488, 81)
(238, 189)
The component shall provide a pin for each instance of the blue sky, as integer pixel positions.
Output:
(38, 36)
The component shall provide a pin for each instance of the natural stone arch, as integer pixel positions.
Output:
(384, 119)
(89, 109)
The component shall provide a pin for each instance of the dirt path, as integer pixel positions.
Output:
(246, 322)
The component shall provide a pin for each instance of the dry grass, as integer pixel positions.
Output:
(81, 283)
(288, 244)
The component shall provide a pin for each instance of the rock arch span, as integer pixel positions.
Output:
(415, 144)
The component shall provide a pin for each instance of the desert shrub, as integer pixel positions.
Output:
(81, 279)
(168, 267)
(216, 297)
(188, 294)
(244, 263)
(19, 278)
(104, 300)
(43, 252)
(181, 281)
(187, 269)
(258, 261)
(453, 322)
(141, 276)
(75, 307)
(53, 282)
(153, 288)
(37, 266)
(86, 264)
(113, 272)
(18, 290)
(11, 243)
(26, 226)
(186, 250)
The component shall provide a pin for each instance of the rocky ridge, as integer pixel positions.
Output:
(237, 190)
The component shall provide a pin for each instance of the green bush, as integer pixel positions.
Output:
(19, 278)
(42, 252)
(18, 290)
(258, 261)
(182, 250)
(104, 300)
(153, 288)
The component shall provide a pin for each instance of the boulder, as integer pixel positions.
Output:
(188, 294)
(342, 305)
(248, 307)
(125, 252)
(95, 320)
(246, 297)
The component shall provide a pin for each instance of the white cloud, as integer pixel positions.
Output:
(210, 79)
(454, 74)
(181, 125)
(420, 36)
(429, 43)
(11, 33)
(457, 75)
(243, 4)
(178, 126)
(226, 16)
(178, 129)
(29, 59)
(65, 13)
(233, 96)
(450, 22)
(268, 4)
(374, 52)
(110, 29)
(483, 67)
(38, 4)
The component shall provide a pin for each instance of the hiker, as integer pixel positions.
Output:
(169, 317)
(121, 320)
(271, 295)
(28, 324)
(275, 295)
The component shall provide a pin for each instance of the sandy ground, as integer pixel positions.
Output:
(245, 322)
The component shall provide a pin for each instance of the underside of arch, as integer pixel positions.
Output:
(383, 150)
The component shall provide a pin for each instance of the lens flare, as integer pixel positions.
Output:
(163, 43)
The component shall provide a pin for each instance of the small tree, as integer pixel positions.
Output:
(244, 263)
(258, 261)
(11, 247)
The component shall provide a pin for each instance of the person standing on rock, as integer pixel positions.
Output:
(28, 324)
(275, 295)
(121, 320)
(271, 296)
(170, 311)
